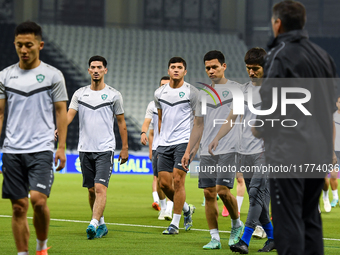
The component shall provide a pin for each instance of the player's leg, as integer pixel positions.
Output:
(241, 187)
(311, 217)
(103, 167)
(15, 187)
(165, 165)
(40, 177)
(92, 197)
(334, 182)
(326, 204)
(156, 190)
(207, 182)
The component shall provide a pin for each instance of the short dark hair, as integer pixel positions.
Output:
(291, 13)
(28, 27)
(255, 56)
(167, 78)
(98, 58)
(214, 54)
(177, 60)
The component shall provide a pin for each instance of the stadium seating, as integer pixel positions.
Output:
(138, 58)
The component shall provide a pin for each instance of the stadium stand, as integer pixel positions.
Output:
(138, 58)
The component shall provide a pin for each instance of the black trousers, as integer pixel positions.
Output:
(297, 222)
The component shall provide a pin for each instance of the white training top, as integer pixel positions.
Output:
(152, 113)
(30, 95)
(248, 143)
(336, 117)
(96, 117)
(178, 106)
(216, 114)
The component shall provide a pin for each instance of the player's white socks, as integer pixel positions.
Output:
(94, 222)
(325, 195)
(41, 245)
(163, 204)
(101, 221)
(176, 219)
(236, 223)
(155, 196)
(169, 206)
(23, 253)
(214, 234)
(335, 194)
(185, 207)
(239, 202)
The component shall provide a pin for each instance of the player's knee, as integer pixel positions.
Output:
(178, 182)
(39, 205)
(210, 194)
(19, 209)
(223, 192)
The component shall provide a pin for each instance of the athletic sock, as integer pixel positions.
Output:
(101, 221)
(169, 206)
(239, 202)
(268, 228)
(23, 253)
(214, 234)
(248, 232)
(94, 222)
(335, 194)
(186, 209)
(175, 220)
(236, 223)
(163, 204)
(325, 195)
(155, 196)
(41, 245)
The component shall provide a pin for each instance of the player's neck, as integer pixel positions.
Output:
(222, 80)
(29, 66)
(175, 84)
(97, 85)
(258, 82)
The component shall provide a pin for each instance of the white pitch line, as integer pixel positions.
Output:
(141, 226)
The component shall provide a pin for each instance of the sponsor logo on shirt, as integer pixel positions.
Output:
(14, 77)
(40, 78)
(86, 95)
(39, 185)
(225, 93)
(181, 94)
(104, 96)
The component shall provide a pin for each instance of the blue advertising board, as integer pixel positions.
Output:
(137, 164)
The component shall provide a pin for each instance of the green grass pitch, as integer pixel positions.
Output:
(132, 222)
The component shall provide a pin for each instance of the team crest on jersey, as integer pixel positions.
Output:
(225, 93)
(181, 94)
(40, 78)
(104, 96)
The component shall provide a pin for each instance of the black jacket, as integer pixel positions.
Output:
(307, 66)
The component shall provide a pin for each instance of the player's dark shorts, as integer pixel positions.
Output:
(255, 162)
(154, 162)
(217, 170)
(337, 153)
(170, 157)
(96, 167)
(25, 172)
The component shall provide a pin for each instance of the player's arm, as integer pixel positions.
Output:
(70, 116)
(124, 154)
(159, 120)
(2, 112)
(145, 127)
(61, 119)
(150, 143)
(194, 141)
(224, 130)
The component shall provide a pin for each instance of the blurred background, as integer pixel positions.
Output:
(138, 37)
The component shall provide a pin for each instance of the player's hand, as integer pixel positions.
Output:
(212, 146)
(335, 160)
(60, 155)
(56, 135)
(143, 139)
(123, 156)
(186, 160)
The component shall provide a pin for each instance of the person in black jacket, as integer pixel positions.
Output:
(299, 141)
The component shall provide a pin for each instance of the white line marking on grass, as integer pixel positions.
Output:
(141, 226)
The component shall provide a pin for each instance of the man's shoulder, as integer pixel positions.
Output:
(159, 91)
(112, 90)
(50, 69)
